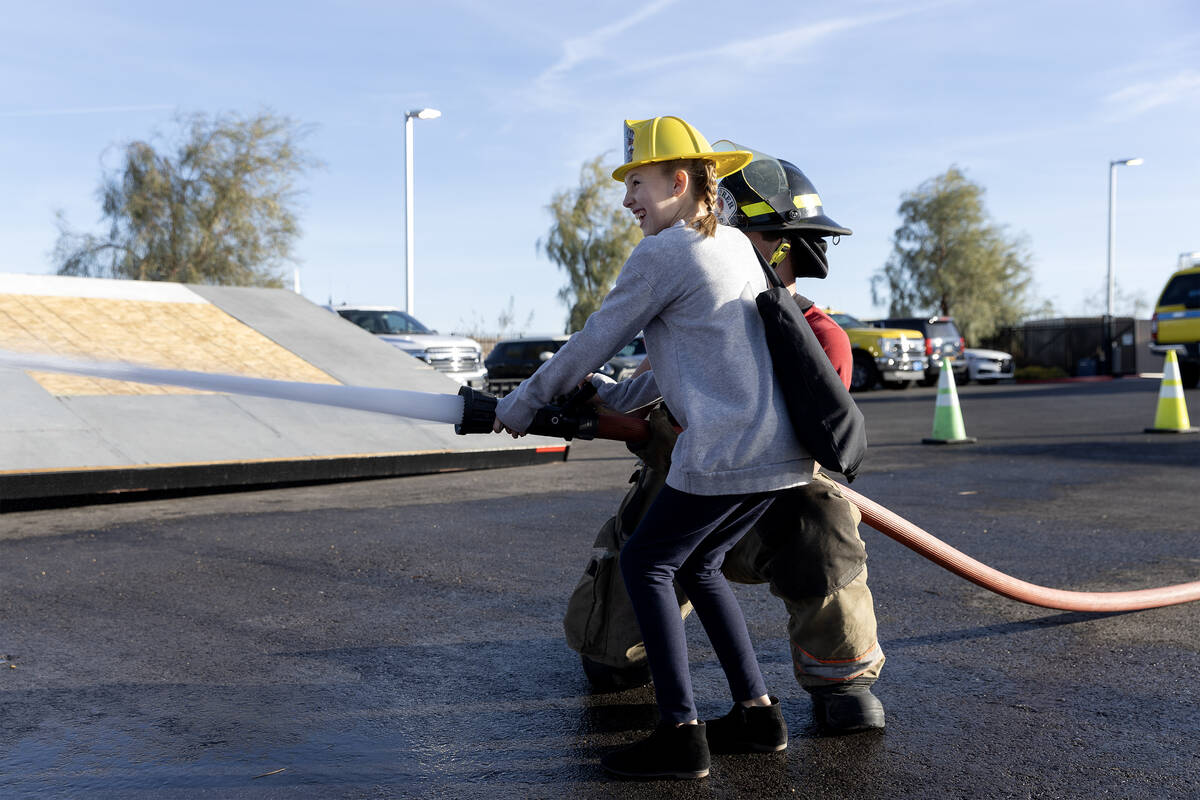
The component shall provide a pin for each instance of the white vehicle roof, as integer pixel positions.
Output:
(558, 338)
(350, 307)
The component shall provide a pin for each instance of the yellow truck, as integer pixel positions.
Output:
(1176, 321)
(892, 357)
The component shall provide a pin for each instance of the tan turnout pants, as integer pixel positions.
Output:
(807, 548)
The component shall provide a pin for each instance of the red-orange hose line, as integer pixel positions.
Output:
(890, 524)
(942, 554)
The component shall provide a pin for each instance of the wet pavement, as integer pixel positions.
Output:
(402, 638)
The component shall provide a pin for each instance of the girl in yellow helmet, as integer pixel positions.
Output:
(690, 285)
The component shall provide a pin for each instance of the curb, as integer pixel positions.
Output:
(1090, 378)
(24, 489)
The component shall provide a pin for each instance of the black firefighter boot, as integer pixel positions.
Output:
(753, 729)
(670, 752)
(847, 707)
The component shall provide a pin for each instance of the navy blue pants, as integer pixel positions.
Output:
(684, 538)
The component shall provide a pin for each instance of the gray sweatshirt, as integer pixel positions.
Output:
(693, 296)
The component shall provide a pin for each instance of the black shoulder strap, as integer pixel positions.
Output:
(773, 279)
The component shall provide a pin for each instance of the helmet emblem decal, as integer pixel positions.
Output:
(726, 206)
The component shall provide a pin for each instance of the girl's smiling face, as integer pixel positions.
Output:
(655, 195)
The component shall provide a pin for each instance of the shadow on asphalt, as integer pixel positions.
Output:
(1001, 629)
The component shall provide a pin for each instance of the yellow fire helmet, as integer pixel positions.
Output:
(650, 141)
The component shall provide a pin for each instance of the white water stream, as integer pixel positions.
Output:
(399, 402)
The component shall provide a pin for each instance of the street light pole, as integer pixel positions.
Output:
(421, 113)
(1112, 247)
(1112, 219)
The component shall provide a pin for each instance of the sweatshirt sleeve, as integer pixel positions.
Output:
(628, 307)
(834, 341)
(628, 394)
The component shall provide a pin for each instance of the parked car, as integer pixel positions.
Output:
(987, 366)
(626, 362)
(513, 360)
(891, 357)
(459, 357)
(1176, 321)
(942, 340)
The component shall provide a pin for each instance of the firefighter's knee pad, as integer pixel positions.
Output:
(812, 532)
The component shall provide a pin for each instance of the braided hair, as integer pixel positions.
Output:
(702, 179)
(708, 180)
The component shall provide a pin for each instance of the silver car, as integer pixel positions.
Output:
(987, 366)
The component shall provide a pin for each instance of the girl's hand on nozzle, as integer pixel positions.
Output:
(500, 427)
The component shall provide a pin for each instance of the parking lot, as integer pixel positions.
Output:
(402, 637)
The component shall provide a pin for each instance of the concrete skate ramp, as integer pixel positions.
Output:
(65, 435)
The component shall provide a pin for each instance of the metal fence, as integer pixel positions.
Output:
(1081, 346)
(486, 343)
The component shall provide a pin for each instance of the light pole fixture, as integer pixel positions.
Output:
(420, 113)
(1112, 220)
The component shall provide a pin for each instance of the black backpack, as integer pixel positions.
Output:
(826, 419)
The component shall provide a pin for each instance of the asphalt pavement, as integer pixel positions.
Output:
(402, 637)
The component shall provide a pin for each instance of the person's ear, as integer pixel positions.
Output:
(681, 183)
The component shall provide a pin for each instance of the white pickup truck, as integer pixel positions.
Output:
(459, 357)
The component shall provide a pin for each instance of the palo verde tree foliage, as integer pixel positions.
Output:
(949, 259)
(590, 239)
(217, 208)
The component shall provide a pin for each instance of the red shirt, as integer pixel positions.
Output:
(833, 340)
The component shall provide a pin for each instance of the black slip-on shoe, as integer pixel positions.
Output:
(670, 752)
(847, 708)
(757, 729)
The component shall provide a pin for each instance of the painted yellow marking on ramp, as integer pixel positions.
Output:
(190, 336)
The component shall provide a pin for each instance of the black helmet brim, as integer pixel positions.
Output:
(819, 223)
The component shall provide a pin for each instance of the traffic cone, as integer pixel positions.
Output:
(947, 418)
(1172, 416)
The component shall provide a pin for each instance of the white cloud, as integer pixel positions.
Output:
(67, 112)
(777, 46)
(1139, 98)
(549, 89)
(585, 48)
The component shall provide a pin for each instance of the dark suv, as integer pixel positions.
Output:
(942, 340)
(513, 360)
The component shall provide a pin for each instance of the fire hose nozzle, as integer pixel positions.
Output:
(479, 412)
(571, 419)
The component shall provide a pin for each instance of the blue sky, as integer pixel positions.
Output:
(1031, 99)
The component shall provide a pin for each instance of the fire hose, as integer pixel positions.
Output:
(573, 417)
(631, 429)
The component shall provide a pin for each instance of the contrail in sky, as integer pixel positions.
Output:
(64, 112)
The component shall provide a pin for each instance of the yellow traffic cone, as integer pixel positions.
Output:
(947, 418)
(1172, 416)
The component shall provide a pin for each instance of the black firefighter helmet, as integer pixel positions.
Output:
(769, 194)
